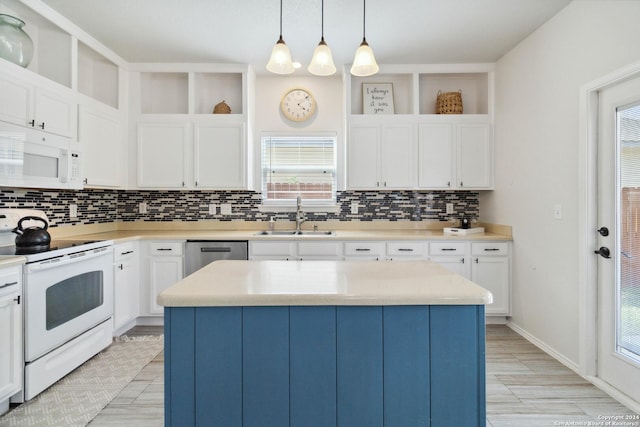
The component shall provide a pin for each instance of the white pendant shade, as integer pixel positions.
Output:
(364, 63)
(322, 61)
(280, 61)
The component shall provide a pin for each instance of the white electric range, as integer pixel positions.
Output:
(68, 302)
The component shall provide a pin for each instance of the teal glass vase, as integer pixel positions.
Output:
(15, 45)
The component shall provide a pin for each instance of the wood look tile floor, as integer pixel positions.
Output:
(525, 387)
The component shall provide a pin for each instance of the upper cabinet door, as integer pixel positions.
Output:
(16, 101)
(161, 155)
(435, 155)
(219, 156)
(363, 157)
(100, 135)
(54, 112)
(475, 156)
(397, 157)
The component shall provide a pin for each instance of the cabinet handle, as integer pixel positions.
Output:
(461, 184)
(17, 299)
(9, 284)
(448, 249)
(126, 253)
(448, 183)
(363, 249)
(405, 250)
(461, 260)
(385, 183)
(491, 249)
(164, 249)
(377, 183)
(41, 125)
(196, 183)
(86, 180)
(121, 267)
(32, 123)
(477, 261)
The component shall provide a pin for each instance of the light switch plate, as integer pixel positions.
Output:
(450, 208)
(225, 209)
(212, 209)
(354, 208)
(73, 210)
(142, 208)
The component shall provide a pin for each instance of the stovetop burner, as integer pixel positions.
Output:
(56, 245)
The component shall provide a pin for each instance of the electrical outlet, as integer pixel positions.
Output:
(225, 209)
(557, 211)
(73, 211)
(354, 208)
(142, 208)
(212, 209)
(450, 208)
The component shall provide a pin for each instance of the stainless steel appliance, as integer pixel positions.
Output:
(68, 303)
(30, 158)
(199, 253)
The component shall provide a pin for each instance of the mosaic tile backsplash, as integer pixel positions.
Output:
(105, 206)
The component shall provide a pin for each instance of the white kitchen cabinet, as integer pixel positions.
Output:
(272, 250)
(101, 138)
(165, 268)
(126, 285)
(490, 268)
(162, 154)
(451, 255)
(10, 334)
(407, 251)
(380, 156)
(219, 153)
(365, 251)
(455, 156)
(295, 250)
(27, 103)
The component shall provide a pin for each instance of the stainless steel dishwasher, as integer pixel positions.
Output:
(199, 253)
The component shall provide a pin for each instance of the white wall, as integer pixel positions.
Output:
(329, 115)
(536, 163)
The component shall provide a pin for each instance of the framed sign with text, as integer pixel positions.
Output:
(377, 98)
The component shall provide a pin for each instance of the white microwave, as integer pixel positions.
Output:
(35, 159)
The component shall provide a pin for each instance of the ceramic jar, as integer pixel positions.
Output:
(15, 45)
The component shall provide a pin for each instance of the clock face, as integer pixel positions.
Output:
(298, 105)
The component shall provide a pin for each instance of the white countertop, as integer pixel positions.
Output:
(281, 283)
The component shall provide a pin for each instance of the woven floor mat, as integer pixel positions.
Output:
(77, 398)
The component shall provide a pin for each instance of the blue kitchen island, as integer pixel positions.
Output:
(324, 343)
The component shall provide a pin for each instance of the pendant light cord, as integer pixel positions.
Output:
(364, 20)
(322, 20)
(280, 19)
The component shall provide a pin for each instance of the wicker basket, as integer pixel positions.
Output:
(449, 102)
(222, 108)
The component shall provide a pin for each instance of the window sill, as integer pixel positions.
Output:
(330, 208)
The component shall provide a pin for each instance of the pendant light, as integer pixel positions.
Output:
(280, 61)
(322, 61)
(364, 63)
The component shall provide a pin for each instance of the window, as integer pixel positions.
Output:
(299, 165)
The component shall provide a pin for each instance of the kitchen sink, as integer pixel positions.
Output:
(294, 233)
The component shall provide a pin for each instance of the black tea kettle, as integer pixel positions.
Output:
(32, 237)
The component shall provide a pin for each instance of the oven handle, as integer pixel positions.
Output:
(67, 259)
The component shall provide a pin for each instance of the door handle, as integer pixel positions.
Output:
(604, 252)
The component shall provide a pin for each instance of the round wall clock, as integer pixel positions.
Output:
(298, 104)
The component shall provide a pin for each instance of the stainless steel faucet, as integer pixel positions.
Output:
(300, 218)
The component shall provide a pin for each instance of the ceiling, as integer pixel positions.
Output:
(244, 31)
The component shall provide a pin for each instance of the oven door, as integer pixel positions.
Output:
(65, 297)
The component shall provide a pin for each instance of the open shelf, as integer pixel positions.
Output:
(164, 93)
(474, 87)
(97, 76)
(212, 88)
(402, 91)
